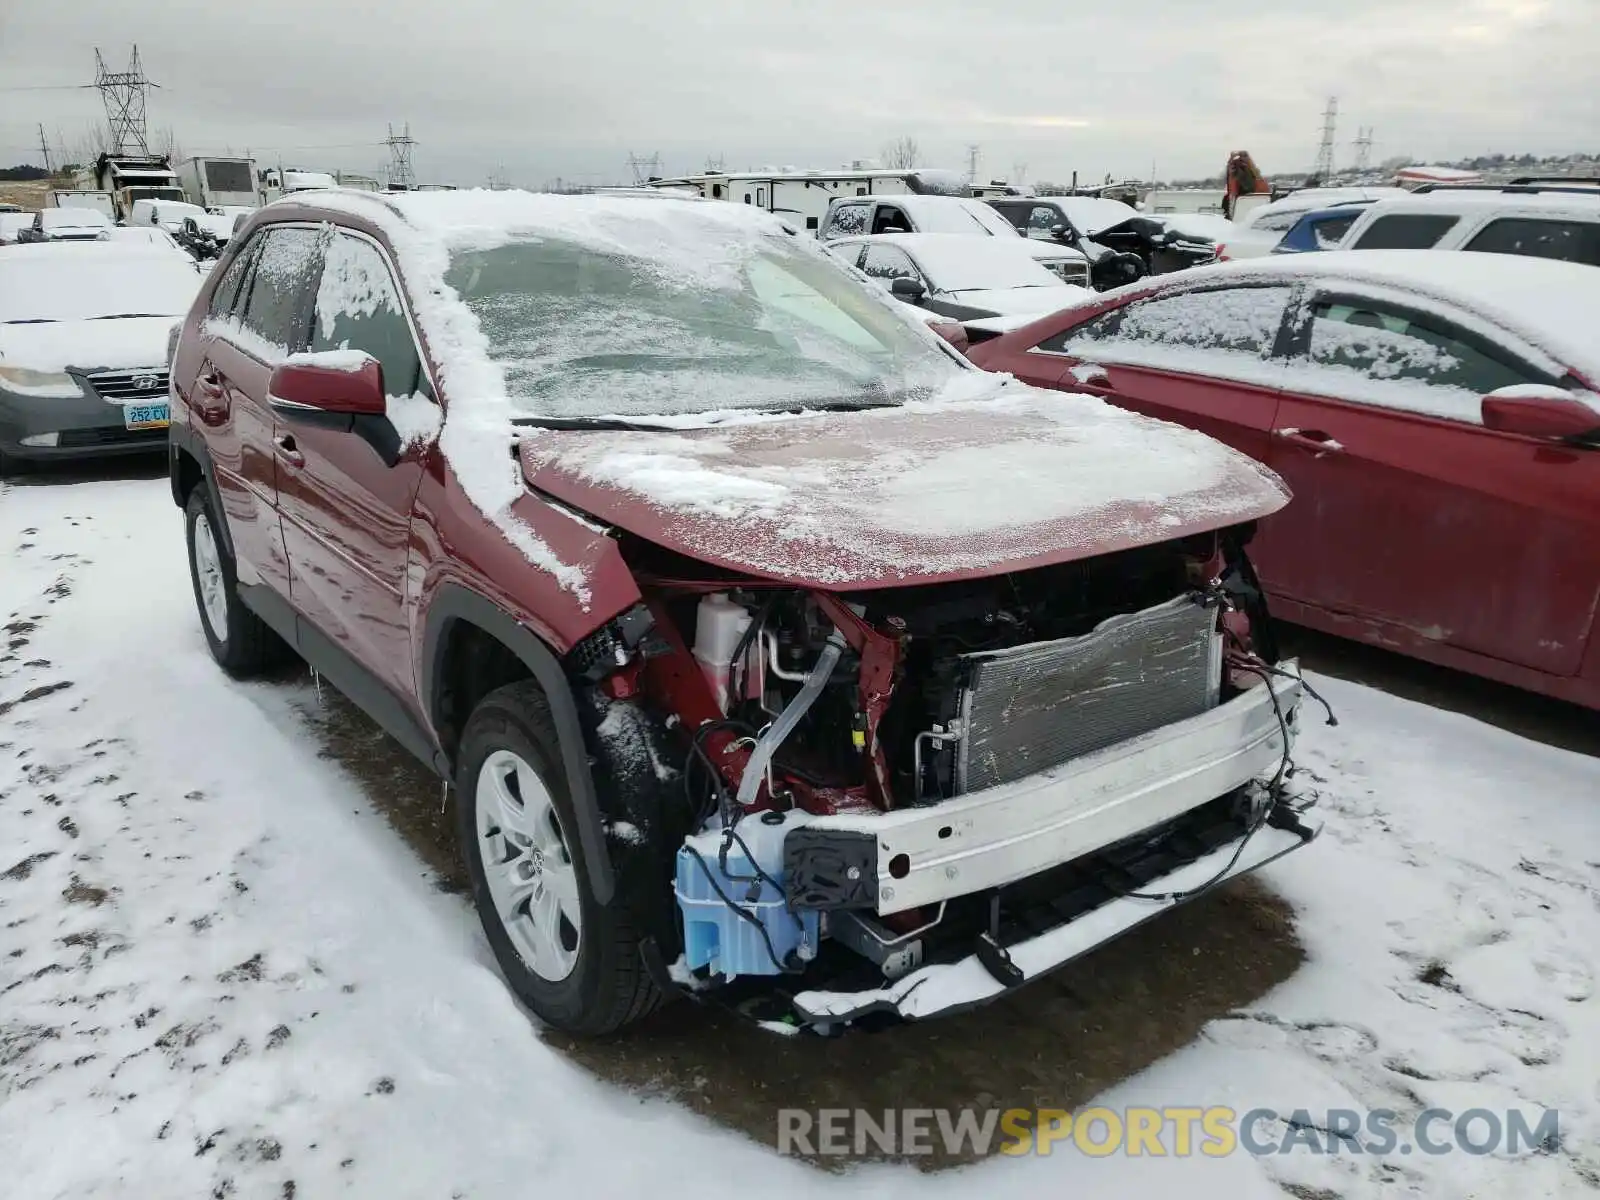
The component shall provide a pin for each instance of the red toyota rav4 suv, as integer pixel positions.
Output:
(769, 645)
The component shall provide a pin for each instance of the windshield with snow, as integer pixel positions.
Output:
(958, 217)
(98, 283)
(760, 324)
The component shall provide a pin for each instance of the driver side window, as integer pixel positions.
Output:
(358, 308)
(886, 264)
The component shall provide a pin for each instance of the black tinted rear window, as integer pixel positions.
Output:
(1570, 241)
(1405, 231)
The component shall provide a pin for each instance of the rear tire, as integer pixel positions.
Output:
(575, 963)
(241, 642)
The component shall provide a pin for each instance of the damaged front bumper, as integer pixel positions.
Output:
(920, 856)
(944, 988)
(1006, 884)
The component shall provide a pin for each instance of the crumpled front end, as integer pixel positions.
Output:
(907, 801)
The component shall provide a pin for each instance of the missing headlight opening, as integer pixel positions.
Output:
(902, 801)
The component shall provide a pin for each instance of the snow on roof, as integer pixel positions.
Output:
(1437, 174)
(1583, 203)
(1549, 303)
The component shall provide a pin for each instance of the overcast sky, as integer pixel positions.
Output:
(540, 90)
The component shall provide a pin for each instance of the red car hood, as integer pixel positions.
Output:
(930, 491)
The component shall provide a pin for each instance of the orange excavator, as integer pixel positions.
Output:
(1241, 177)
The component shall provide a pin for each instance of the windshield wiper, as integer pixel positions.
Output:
(130, 316)
(34, 321)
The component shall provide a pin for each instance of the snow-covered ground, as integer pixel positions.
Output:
(221, 973)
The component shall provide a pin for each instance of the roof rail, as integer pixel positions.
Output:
(1526, 180)
(1527, 186)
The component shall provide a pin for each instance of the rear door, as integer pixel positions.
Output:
(346, 485)
(257, 319)
(1412, 524)
(1205, 359)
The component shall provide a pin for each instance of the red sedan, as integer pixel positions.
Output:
(1435, 415)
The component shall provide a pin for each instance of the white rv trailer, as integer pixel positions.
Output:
(801, 197)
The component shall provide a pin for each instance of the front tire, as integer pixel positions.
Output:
(241, 642)
(574, 962)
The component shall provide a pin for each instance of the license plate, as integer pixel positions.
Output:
(145, 416)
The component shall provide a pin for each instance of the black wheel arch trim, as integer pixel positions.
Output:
(181, 440)
(456, 603)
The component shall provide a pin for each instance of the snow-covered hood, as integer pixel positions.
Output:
(110, 344)
(1005, 479)
(1029, 301)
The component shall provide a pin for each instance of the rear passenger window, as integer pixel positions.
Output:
(1405, 231)
(279, 301)
(1370, 353)
(1329, 233)
(359, 308)
(1570, 241)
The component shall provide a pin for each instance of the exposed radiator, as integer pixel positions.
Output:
(1031, 707)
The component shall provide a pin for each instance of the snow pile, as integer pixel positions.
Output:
(344, 360)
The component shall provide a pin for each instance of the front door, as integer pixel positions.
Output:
(1412, 524)
(346, 497)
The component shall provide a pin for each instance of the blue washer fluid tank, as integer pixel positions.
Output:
(716, 937)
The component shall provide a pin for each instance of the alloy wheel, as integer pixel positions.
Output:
(531, 876)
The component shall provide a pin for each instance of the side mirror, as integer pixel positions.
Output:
(1539, 411)
(910, 290)
(1063, 233)
(339, 382)
(953, 332)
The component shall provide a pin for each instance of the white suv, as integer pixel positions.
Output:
(1541, 220)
